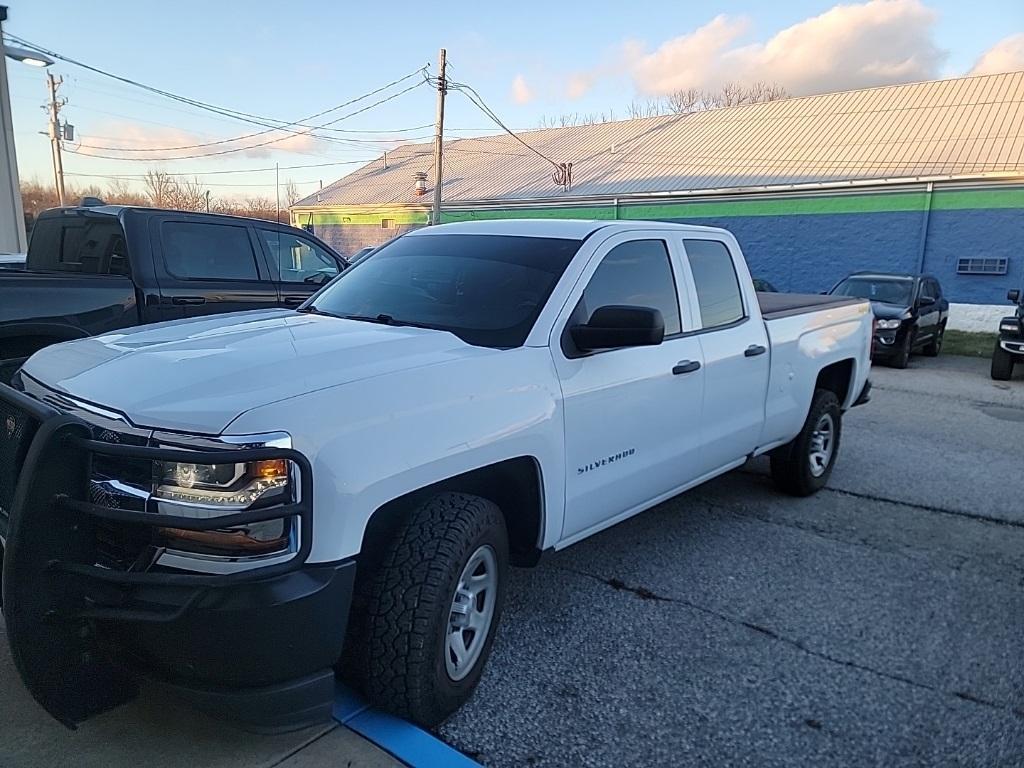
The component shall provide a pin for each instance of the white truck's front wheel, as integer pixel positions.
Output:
(431, 609)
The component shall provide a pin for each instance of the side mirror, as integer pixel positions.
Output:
(925, 301)
(613, 327)
(1013, 295)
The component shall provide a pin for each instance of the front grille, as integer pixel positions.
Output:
(119, 545)
(16, 431)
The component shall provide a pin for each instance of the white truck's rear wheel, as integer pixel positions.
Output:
(431, 609)
(804, 465)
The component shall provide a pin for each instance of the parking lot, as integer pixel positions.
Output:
(878, 622)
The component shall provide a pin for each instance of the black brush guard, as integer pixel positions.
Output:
(58, 603)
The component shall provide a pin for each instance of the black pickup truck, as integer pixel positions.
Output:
(94, 270)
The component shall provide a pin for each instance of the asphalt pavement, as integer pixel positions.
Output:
(880, 622)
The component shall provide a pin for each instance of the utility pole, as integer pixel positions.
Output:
(55, 134)
(442, 89)
(207, 201)
(12, 216)
(277, 191)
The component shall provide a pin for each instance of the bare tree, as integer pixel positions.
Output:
(291, 193)
(120, 192)
(729, 95)
(187, 195)
(159, 185)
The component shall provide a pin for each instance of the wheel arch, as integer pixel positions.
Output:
(515, 485)
(838, 378)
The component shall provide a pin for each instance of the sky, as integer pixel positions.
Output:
(527, 59)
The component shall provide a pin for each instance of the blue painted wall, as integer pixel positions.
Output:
(811, 253)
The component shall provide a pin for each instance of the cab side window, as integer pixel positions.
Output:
(714, 277)
(298, 260)
(637, 274)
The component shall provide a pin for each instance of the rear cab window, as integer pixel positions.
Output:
(195, 250)
(716, 283)
(79, 244)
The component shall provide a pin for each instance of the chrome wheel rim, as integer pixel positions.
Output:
(472, 612)
(822, 445)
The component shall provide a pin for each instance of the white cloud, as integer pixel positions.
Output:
(848, 46)
(521, 91)
(1005, 56)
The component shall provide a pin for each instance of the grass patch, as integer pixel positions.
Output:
(968, 344)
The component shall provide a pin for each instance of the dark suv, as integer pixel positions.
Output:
(1010, 344)
(910, 313)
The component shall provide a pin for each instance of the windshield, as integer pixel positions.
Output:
(890, 290)
(486, 289)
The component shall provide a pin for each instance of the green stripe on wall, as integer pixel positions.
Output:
(573, 212)
(781, 205)
(399, 216)
(957, 200)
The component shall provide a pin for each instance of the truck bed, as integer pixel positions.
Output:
(776, 305)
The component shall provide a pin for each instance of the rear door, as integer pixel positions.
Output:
(734, 344)
(632, 415)
(299, 264)
(206, 267)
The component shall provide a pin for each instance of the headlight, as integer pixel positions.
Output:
(887, 325)
(225, 486)
(222, 489)
(1008, 328)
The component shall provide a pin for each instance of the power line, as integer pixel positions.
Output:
(218, 173)
(249, 147)
(271, 130)
(563, 171)
(266, 122)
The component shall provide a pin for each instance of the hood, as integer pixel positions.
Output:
(198, 375)
(889, 311)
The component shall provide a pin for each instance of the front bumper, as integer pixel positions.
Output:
(259, 653)
(884, 343)
(255, 645)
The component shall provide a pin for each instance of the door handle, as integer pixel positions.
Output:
(685, 366)
(294, 301)
(754, 350)
(188, 300)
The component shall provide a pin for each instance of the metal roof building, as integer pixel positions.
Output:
(912, 150)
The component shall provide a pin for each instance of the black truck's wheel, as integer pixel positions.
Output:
(431, 609)
(803, 466)
(934, 347)
(1002, 364)
(901, 358)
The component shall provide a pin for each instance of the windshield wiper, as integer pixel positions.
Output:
(384, 319)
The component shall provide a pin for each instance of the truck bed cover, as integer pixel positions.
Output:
(776, 305)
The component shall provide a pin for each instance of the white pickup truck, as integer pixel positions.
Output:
(236, 506)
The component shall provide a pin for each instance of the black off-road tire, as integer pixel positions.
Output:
(397, 641)
(934, 347)
(790, 463)
(1002, 364)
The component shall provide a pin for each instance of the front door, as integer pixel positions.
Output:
(206, 268)
(300, 266)
(632, 415)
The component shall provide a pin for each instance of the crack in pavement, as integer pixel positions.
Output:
(649, 595)
(912, 504)
(940, 396)
(927, 507)
(952, 559)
